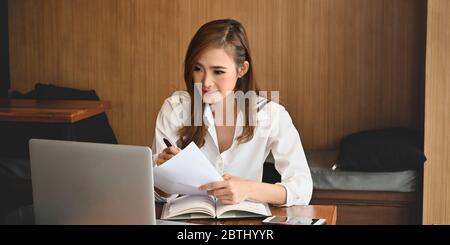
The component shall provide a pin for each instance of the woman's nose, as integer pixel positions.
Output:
(208, 81)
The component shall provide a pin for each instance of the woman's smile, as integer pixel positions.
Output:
(209, 91)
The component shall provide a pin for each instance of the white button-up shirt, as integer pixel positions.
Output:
(273, 133)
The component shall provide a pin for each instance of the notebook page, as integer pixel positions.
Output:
(244, 209)
(191, 204)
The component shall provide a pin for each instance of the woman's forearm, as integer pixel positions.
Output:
(267, 193)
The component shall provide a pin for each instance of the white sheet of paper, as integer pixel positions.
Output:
(185, 172)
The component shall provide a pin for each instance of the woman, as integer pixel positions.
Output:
(235, 137)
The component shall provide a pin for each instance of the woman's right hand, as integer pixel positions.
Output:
(166, 154)
(163, 157)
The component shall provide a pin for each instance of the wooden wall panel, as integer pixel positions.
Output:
(4, 50)
(436, 199)
(340, 65)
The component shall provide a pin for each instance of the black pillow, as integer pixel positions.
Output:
(383, 150)
(52, 92)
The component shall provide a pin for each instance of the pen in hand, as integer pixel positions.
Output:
(167, 142)
(167, 153)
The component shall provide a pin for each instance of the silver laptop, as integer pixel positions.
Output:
(91, 183)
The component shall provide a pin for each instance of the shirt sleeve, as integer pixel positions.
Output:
(167, 123)
(290, 160)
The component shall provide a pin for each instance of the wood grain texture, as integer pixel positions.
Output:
(436, 199)
(340, 65)
(49, 111)
(371, 207)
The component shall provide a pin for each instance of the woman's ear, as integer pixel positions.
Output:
(243, 69)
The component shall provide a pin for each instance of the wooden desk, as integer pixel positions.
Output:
(74, 120)
(328, 212)
(50, 111)
(25, 215)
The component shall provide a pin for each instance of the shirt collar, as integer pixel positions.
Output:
(208, 118)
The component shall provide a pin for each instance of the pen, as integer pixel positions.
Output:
(167, 142)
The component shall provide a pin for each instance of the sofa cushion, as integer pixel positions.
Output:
(325, 177)
(13, 167)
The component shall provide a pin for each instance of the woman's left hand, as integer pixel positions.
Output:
(232, 190)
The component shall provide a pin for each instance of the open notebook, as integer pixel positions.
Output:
(201, 207)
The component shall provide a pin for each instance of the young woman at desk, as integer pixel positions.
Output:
(217, 66)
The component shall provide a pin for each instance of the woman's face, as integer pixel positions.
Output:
(218, 74)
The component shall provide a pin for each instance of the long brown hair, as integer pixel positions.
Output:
(230, 35)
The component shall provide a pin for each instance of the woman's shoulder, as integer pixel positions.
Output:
(272, 113)
(175, 107)
(265, 105)
(178, 100)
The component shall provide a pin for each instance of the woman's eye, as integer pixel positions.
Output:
(197, 68)
(219, 72)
